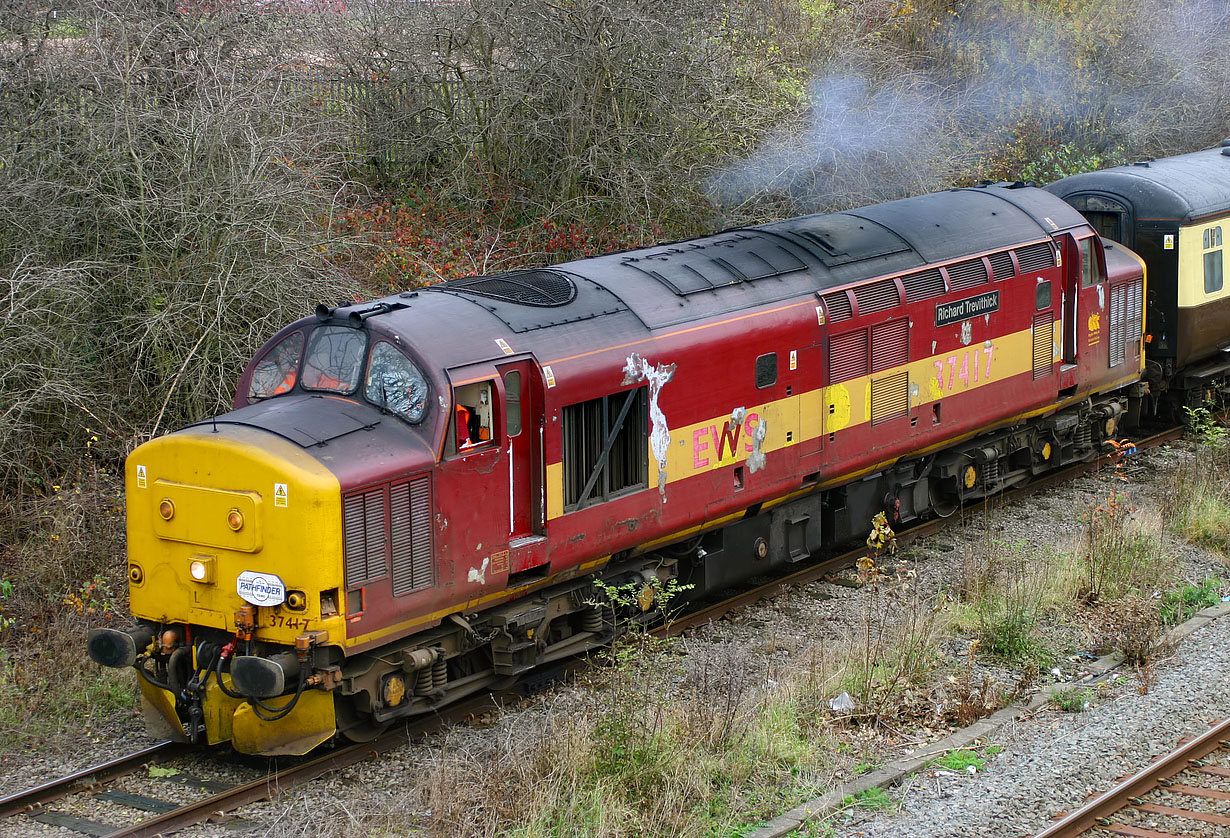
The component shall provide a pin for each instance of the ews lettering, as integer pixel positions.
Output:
(729, 442)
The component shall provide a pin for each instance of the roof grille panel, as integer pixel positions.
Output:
(837, 306)
(1036, 257)
(530, 288)
(877, 296)
(1001, 265)
(966, 274)
(693, 267)
(923, 285)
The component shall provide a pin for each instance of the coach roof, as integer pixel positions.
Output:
(1179, 189)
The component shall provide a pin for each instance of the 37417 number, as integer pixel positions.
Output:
(966, 370)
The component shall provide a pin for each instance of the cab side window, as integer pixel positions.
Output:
(1213, 279)
(473, 411)
(1091, 264)
(276, 372)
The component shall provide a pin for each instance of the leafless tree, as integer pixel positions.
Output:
(161, 194)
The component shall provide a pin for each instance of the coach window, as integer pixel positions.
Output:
(276, 372)
(334, 359)
(395, 383)
(1091, 267)
(605, 448)
(473, 408)
(1213, 279)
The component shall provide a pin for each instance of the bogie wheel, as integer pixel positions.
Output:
(943, 497)
(355, 726)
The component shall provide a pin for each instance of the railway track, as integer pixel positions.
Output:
(1184, 793)
(54, 803)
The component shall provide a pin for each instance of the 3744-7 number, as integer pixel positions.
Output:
(283, 621)
(968, 367)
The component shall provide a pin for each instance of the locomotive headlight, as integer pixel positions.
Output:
(201, 569)
(234, 520)
(166, 509)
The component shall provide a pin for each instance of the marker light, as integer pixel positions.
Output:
(234, 520)
(166, 509)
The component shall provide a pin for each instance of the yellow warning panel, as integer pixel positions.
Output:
(309, 724)
(219, 710)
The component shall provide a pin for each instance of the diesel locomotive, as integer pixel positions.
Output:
(423, 496)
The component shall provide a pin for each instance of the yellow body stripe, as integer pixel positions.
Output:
(729, 439)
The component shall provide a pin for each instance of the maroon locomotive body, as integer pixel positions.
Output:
(476, 454)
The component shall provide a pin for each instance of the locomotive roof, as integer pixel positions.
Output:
(638, 291)
(1180, 189)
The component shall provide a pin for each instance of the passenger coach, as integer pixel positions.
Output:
(1175, 213)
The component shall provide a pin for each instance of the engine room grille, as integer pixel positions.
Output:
(1001, 265)
(1044, 345)
(847, 356)
(531, 288)
(890, 344)
(877, 296)
(890, 397)
(1135, 313)
(410, 535)
(1118, 323)
(838, 306)
(1036, 257)
(923, 285)
(364, 527)
(966, 274)
(389, 525)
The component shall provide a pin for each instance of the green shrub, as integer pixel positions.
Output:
(1072, 699)
(1178, 605)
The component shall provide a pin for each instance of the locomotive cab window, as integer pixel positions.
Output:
(277, 371)
(512, 403)
(1213, 278)
(1091, 263)
(473, 410)
(395, 383)
(334, 359)
(766, 370)
(1042, 295)
(605, 448)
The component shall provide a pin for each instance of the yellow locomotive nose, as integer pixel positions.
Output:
(207, 505)
(223, 520)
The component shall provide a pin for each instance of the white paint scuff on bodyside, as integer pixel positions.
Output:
(755, 460)
(636, 370)
(479, 575)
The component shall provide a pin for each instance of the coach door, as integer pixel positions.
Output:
(523, 400)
